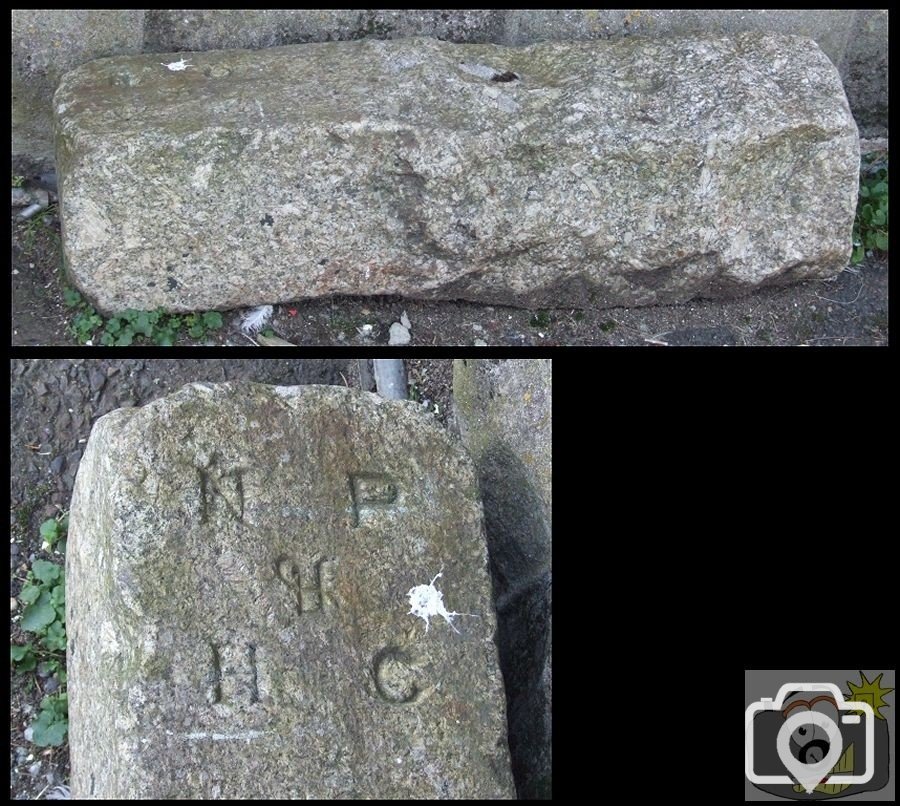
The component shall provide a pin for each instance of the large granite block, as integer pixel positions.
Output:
(602, 173)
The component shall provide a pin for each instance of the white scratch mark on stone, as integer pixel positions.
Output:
(427, 601)
(223, 737)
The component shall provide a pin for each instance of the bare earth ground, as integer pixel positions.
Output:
(848, 310)
(54, 403)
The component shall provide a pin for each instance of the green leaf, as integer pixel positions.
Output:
(859, 253)
(212, 319)
(62, 676)
(38, 615)
(23, 657)
(17, 652)
(30, 593)
(49, 733)
(71, 297)
(879, 218)
(164, 337)
(46, 571)
(142, 323)
(57, 704)
(196, 331)
(863, 192)
(125, 339)
(113, 326)
(55, 639)
(61, 546)
(58, 595)
(50, 529)
(880, 189)
(881, 241)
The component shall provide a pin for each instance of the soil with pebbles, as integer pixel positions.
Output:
(53, 405)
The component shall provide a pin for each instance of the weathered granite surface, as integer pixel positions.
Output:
(239, 566)
(631, 172)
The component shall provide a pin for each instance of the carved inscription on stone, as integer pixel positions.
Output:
(233, 674)
(399, 679)
(221, 488)
(312, 588)
(247, 630)
(371, 491)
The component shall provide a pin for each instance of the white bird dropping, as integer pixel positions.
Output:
(427, 601)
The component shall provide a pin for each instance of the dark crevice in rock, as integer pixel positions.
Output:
(518, 542)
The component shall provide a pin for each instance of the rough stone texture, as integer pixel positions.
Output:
(217, 29)
(602, 173)
(856, 41)
(864, 72)
(503, 412)
(46, 44)
(238, 568)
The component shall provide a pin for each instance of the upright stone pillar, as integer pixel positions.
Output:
(253, 610)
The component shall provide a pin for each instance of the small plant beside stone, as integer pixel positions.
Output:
(870, 230)
(52, 724)
(44, 597)
(156, 327)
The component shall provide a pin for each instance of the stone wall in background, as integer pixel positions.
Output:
(45, 44)
(503, 414)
